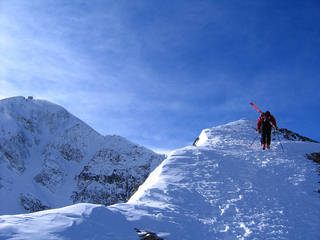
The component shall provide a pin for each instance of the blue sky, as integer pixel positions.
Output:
(158, 72)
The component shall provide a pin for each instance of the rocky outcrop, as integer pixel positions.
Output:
(31, 204)
(287, 134)
(316, 158)
(111, 177)
(14, 150)
(147, 235)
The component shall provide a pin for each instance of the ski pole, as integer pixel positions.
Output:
(280, 142)
(253, 141)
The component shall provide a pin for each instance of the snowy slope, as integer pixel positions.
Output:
(49, 159)
(79, 221)
(220, 189)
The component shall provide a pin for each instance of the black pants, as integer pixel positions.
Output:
(266, 135)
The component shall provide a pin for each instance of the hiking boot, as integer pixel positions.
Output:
(263, 147)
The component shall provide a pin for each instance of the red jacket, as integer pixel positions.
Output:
(270, 118)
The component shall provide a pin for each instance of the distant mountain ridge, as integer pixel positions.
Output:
(222, 188)
(49, 158)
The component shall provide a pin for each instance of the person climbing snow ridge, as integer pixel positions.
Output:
(264, 126)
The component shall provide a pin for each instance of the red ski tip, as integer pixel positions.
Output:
(253, 105)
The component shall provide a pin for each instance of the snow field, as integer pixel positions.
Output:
(220, 189)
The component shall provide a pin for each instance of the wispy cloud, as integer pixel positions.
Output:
(156, 73)
(88, 62)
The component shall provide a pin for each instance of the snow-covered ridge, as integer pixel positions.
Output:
(49, 158)
(242, 131)
(221, 189)
(225, 188)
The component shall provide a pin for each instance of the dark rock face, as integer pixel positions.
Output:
(147, 235)
(49, 177)
(294, 136)
(316, 158)
(100, 182)
(31, 203)
(195, 142)
(14, 151)
(69, 153)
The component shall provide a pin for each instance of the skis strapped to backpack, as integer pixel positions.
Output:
(253, 105)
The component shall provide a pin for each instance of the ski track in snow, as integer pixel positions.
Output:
(221, 189)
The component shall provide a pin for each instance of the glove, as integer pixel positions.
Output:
(259, 130)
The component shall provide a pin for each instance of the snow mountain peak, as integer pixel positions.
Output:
(50, 158)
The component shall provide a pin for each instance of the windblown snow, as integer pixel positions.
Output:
(219, 189)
